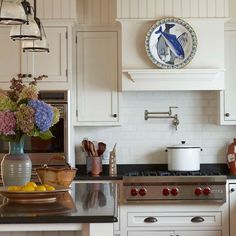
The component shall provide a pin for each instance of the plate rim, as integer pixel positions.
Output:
(188, 27)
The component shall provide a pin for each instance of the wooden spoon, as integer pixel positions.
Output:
(101, 148)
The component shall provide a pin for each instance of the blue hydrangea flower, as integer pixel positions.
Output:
(43, 114)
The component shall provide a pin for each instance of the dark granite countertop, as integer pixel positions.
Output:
(83, 203)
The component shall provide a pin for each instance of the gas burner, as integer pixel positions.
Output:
(173, 173)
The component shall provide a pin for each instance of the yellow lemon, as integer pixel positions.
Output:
(26, 188)
(13, 188)
(40, 188)
(31, 184)
(49, 187)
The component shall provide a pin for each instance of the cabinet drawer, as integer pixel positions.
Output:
(152, 219)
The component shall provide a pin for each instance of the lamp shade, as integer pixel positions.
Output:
(29, 31)
(40, 45)
(12, 13)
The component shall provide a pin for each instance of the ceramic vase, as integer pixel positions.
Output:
(16, 166)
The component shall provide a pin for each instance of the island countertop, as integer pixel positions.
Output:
(83, 203)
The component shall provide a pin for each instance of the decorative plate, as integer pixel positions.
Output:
(32, 197)
(171, 43)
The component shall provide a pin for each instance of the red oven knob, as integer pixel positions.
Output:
(134, 191)
(207, 191)
(174, 191)
(198, 191)
(166, 191)
(142, 191)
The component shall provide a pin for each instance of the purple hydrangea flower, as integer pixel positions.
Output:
(7, 123)
(43, 114)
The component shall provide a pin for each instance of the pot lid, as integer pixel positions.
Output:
(183, 145)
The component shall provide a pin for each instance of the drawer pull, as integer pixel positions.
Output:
(197, 219)
(150, 220)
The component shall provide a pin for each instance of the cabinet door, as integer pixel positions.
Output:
(10, 56)
(198, 233)
(54, 63)
(151, 233)
(232, 209)
(228, 97)
(97, 78)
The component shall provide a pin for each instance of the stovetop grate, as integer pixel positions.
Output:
(173, 173)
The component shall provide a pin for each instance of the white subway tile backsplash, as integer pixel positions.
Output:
(140, 141)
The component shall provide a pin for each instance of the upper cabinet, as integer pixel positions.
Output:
(54, 63)
(11, 56)
(97, 79)
(228, 96)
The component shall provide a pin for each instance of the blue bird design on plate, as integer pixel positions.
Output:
(173, 43)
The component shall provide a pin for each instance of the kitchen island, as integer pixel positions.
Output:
(87, 207)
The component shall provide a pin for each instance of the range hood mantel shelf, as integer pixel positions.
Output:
(173, 79)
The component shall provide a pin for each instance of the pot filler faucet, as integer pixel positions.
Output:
(163, 115)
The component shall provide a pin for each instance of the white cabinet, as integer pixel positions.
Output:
(54, 63)
(228, 97)
(97, 79)
(174, 233)
(232, 209)
(11, 56)
(174, 220)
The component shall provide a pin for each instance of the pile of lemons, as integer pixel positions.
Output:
(31, 187)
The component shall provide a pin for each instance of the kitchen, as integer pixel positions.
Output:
(140, 141)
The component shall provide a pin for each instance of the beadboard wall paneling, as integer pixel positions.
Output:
(96, 11)
(149, 9)
(56, 9)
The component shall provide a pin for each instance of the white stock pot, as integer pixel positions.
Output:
(183, 157)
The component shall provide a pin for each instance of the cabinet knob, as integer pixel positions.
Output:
(114, 115)
(232, 190)
(227, 114)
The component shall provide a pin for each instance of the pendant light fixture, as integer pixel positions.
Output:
(13, 12)
(40, 45)
(30, 30)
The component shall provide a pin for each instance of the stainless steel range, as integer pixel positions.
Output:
(161, 186)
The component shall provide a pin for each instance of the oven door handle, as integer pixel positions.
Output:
(150, 219)
(197, 219)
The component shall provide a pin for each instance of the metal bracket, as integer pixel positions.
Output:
(163, 115)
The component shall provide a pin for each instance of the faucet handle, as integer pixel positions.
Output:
(175, 121)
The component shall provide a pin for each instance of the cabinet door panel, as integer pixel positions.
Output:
(54, 63)
(97, 79)
(198, 233)
(230, 76)
(232, 208)
(151, 233)
(10, 56)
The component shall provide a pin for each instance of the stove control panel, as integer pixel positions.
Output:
(175, 192)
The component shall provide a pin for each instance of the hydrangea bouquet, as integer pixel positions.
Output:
(22, 113)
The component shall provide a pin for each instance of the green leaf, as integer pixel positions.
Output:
(22, 101)
(9, 138)
(46, 135)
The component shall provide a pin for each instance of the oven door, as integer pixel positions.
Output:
(42, 151)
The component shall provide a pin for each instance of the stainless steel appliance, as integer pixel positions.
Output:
(41, 151)
(165, 186)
